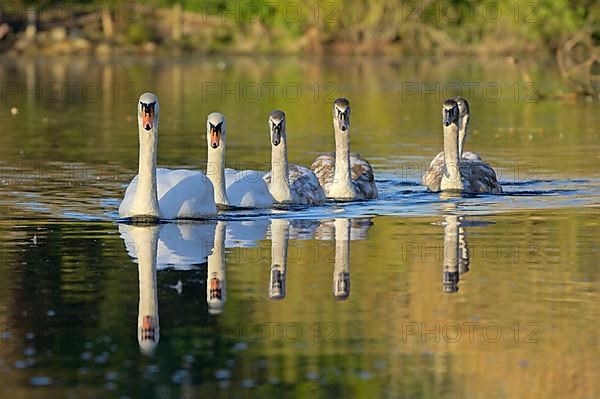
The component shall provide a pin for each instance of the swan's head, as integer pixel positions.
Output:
(463, 106)
(450, 112)
(277, 290)
(341, 114)
(148, 334)
(148, 111)
(277, 126)
(215, 129)
(341, 286)
(216, 300)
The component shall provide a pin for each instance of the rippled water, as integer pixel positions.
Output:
(411, 295)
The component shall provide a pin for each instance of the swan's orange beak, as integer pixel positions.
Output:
(148, 331)
(148, 119)
(215, 136)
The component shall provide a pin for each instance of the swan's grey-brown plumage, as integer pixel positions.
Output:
(342, 174)
(452, 173)
(289, 183)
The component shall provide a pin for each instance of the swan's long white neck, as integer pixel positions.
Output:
(342, 182)
(462, 133)
(215, 170)
(216, 272)
(145, 202)
(341, 270)
(451, 179)
(280, 176)
(280, 231)
(146, 240)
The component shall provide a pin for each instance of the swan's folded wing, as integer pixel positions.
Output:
(246, 188)
(432, 178)
(363, 176)
(184, 193)
(480, 176)
(305, 186)
(324, 168)
(471, 156)
(125, 206)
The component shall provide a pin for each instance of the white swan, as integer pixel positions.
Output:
(289, 184)
(245, 188)
(344, 175)
(163, 193)
(452, 173)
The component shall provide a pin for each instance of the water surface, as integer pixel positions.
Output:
(411, 295)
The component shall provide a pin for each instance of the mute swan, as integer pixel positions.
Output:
(463, 125)
(289, 184)
(453, 174)
(163, 193)
(344, 175)
(245, 188)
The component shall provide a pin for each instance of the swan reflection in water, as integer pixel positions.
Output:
(456, 249)
(216, 291)
(185, 246)
(341, 270)
(342, 230)
(142, 243)
(280, 233)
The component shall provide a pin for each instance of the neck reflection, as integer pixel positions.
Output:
(280, 232)
(216, 287)
(456, 250)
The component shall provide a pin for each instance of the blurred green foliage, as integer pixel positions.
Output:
(431, 25)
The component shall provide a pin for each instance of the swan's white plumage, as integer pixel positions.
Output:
(242, 189)
(182, 194)
(247, 189)
(163, 193)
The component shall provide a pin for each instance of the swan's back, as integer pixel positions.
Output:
(361, 171)
(182, 194)
(304, 185)
(247, 189)
(471, 156)
(477, 176)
